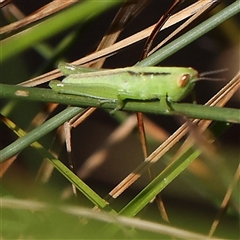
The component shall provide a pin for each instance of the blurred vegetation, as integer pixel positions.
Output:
(37, 202)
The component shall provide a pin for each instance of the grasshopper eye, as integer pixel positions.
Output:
(183, 80)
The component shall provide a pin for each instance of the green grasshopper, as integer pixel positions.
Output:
(134, 83)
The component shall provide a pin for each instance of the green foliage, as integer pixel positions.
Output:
(49, 217)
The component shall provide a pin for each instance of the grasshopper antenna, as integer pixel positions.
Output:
(213, 72)
(204, 75)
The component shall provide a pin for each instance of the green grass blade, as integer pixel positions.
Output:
(166, 177)
(155, 107)
(25, 138)
(192, 35)
(76, 14)
(38, 132)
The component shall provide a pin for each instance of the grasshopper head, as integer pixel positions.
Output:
(185, 79)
